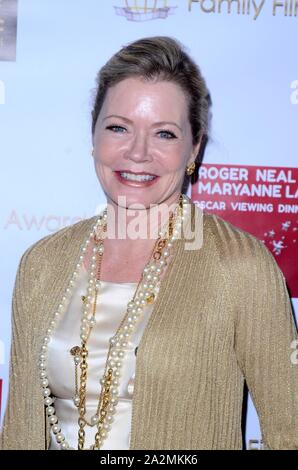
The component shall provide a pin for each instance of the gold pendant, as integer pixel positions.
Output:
(150, 299)
(75, 351)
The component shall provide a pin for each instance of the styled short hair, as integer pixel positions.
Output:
(159, 58)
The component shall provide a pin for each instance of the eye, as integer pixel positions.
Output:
(167, 134)
(115, 128)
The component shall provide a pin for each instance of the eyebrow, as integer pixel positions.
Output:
(155, 124)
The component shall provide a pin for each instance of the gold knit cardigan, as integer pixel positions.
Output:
(222, 316)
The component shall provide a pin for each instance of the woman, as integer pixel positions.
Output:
(170, 329)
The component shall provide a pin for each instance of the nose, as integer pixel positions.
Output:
(138, 150)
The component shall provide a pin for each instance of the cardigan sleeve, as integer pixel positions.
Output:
(14, 432)
(266, 343)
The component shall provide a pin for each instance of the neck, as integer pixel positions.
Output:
(138, 227)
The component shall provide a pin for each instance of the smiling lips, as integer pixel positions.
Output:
(136, 179)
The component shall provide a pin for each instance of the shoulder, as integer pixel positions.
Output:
(251, 277)
(51, 245)
(239, 251)
(225, 232)
(46, 263)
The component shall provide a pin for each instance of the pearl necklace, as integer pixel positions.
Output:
(149, 284)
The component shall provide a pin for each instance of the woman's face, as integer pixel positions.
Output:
(143, 142)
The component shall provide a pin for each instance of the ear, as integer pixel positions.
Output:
(195, 151)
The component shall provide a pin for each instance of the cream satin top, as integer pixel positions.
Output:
(111, 308)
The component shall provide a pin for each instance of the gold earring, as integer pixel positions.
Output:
(190, 168)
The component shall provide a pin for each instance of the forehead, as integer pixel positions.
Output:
(139, 97)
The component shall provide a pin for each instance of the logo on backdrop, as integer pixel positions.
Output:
(145, 10)
(248, 7)
(8, 29)
(260, 200)
(255, 444)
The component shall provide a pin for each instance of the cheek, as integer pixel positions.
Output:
(105, 153)
(103, 169)
(174, 161)
(107, 149)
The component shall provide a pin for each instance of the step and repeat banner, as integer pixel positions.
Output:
(50, 52)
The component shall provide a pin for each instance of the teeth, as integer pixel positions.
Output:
(130, 176)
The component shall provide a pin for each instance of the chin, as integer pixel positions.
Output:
(126, 200)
